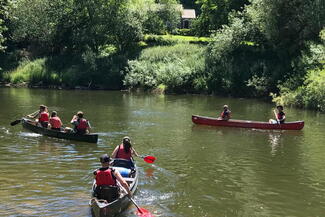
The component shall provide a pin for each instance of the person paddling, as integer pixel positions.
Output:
(55, 121)
(106, 179)
(225, 114)
(42, 116)
(279, 116)
(125, 151)
(81, 125)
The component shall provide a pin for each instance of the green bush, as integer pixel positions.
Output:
(310, 92)
(310, 95)
(180, 68)
(185, 32)
(160, 40)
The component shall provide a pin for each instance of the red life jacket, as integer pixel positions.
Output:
(225, 114)
(55, 122)
(121, 153)
(280, 116)
(105, 177)
(43, 117)
(83, 124)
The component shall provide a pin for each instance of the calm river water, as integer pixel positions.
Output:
(200, 171)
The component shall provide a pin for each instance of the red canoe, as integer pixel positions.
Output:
(296, 125)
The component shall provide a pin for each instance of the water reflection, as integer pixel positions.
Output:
(149, 172)
(274, 141)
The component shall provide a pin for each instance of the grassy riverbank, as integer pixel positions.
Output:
(169, 64)
(173, 62)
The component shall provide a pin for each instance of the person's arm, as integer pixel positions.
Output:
(123, 183)
(95, 173)
(115, 152)
(74, 119)
(133, 151)
(33, 115)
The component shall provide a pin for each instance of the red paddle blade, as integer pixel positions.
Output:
(142, 212)
(149, 159)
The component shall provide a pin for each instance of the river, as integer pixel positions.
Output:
(200, 171)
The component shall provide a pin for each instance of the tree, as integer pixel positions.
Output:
(57, 26)
(264, 43)
(162, 17)
(214, 13)
(3, 28)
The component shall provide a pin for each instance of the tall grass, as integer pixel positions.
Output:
(175, 39)
(102, 72)
(33, 72)
(180, 68)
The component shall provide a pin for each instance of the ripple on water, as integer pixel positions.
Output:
(28, 134)
(5, 131)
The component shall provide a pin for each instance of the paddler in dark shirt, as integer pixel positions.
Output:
(225, 114)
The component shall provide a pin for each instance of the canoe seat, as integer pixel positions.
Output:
(107, 192)
(118, 162)
(129, 179)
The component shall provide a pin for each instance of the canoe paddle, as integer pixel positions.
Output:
(15, 122)
(149, 159)
(142, 212)
(276, 117)
(19, 120)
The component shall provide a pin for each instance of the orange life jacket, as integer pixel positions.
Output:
(121, 153)
(105, 177)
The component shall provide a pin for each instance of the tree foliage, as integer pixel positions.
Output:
(3, 28)
(263, 43)
(214, 13)
(74, 25)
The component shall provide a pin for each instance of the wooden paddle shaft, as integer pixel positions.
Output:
(131, 199)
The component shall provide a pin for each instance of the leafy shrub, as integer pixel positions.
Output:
(180, 68)
(309, 95)
(185, 32)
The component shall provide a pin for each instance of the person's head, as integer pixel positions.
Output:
(54, 114)
(80, 114)
(126, 143)
(280, 108)
(42, 107)
(105, 159)
(225, 107)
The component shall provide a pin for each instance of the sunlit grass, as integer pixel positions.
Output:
(32, 72)
(177, 38)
